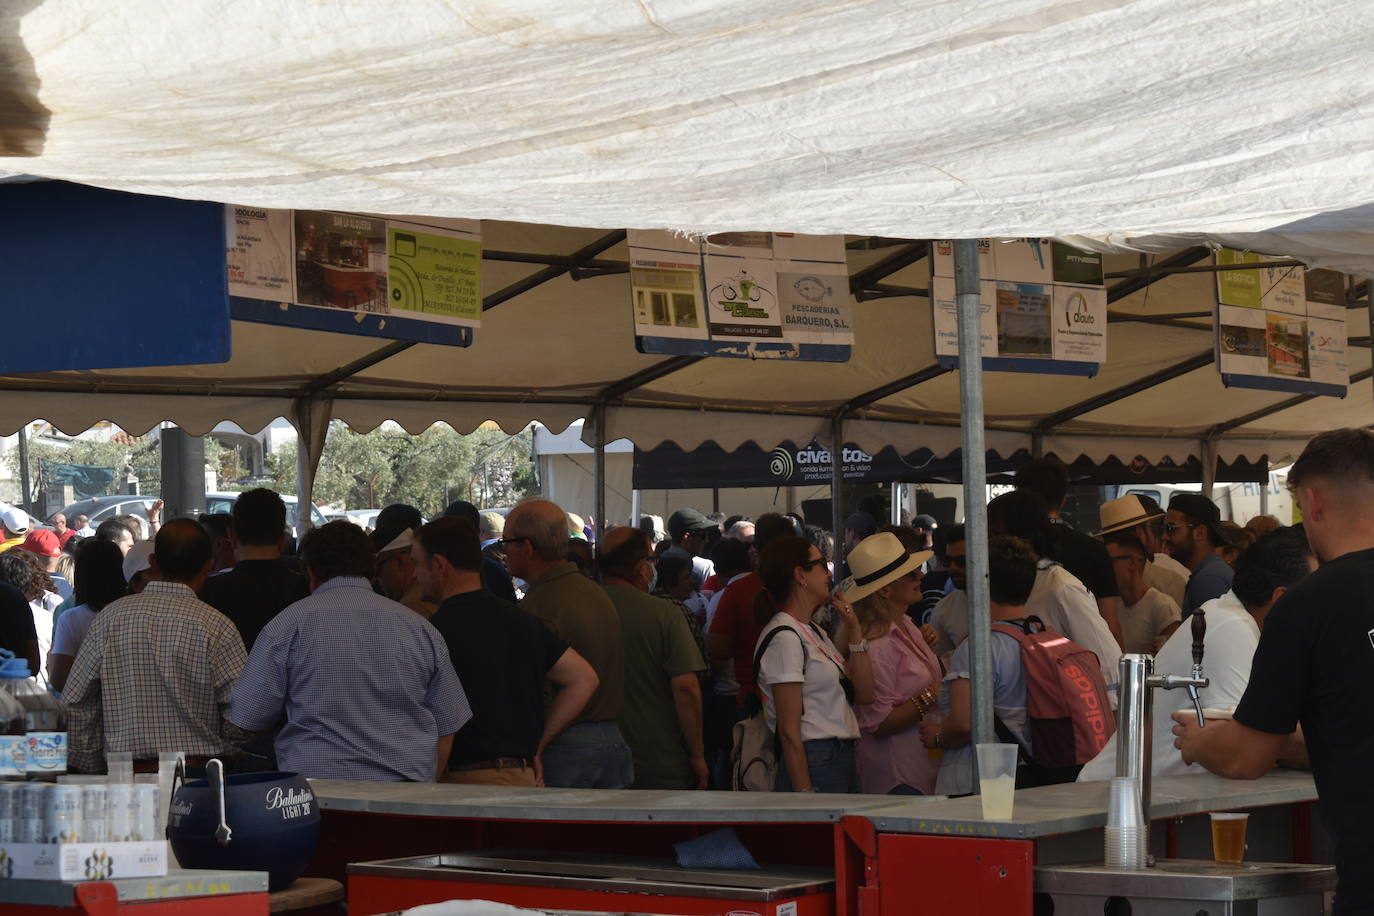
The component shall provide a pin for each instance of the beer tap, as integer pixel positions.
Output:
(1136, 721)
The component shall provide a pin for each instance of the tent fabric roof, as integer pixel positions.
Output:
(1135, 125)
(554, 351)
(985, 118)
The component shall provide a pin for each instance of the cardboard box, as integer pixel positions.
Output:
(83, 861)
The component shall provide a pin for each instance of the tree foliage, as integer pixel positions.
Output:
(385, 466)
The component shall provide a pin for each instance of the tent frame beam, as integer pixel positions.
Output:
(1107, 398)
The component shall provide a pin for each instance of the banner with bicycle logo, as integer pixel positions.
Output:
(742, 294)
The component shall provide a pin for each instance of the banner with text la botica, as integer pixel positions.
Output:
(1280, 328)
(741, 294)
(1044, 306)
(416, 280)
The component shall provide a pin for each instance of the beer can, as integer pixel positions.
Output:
(145, 818)
(30, 830)
(31, 800)
(94, 800)
(9, 830)
(9, 800)
(62, 813)
(119, 819)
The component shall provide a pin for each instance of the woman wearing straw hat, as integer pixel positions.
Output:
(803, 678)
(906, 672)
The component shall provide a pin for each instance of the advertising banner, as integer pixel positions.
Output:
(1044, 308)
(1280, 328)
(741, 294)
(417, 280)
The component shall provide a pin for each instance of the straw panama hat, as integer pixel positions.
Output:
(879, 559)
(1125, 512)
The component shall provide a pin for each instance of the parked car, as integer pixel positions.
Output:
(367, 518)
(101, 508)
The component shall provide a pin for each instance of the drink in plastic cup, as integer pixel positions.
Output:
(1218, 714)
(997, 779)
(935, 754)
(1228, 836)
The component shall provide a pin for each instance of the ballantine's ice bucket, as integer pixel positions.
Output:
(251, 821)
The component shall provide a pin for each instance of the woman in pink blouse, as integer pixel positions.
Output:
(906, 672)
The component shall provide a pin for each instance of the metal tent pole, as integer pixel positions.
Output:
(27, 485)
(969, 304)
(837, 491)
(634, 508)
(599, 419)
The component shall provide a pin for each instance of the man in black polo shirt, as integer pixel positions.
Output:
(503, 657)
(261, 584)
(1315, 664)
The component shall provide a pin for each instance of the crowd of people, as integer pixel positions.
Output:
(487, 650)
(477, 648)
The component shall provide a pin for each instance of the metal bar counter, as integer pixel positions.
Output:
(1052, 810)
(178, 883)
(621, 805)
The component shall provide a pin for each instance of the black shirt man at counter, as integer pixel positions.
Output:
(503, 657)
(1315, 663)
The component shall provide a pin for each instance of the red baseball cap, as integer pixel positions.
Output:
(42, 542)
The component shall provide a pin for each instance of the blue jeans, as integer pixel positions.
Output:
(589, 755)
(831, 762)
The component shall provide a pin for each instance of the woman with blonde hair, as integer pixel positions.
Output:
(906, 672)
(807, 684)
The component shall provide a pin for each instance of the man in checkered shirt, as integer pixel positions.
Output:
(155, 670)
(360, 685)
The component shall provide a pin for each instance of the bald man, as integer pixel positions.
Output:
(591, 753)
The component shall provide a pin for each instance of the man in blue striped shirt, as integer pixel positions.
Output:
(361, 686)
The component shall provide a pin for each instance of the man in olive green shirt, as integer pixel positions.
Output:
(592, 752)
(662, 714)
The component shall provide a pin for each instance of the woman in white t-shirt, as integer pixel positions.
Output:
(804, 679)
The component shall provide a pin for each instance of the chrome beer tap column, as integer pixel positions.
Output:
(1136, 716)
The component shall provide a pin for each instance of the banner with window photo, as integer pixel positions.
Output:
(1281, 327)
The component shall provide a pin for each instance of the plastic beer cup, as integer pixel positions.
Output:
(1228, 836)
(997, 779)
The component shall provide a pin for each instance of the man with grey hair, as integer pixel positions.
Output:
(591, 753)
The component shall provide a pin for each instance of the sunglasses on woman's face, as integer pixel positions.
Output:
(809, 565)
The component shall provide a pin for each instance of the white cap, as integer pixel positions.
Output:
(16, 520)
(402, 541)
(136, 560)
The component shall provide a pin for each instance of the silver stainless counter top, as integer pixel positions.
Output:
(1066, 808)
(178, 883)
(627, 805)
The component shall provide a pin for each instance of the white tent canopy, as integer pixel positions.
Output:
(1148, 125)
(1000, 118)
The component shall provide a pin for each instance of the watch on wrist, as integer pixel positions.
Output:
(860, 646)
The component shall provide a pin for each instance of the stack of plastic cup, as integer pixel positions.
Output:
(1125, 834)
(120, 765)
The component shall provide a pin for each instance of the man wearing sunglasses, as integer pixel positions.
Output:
(1193, 536)
(950, 615)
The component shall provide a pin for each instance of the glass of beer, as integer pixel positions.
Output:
(1228, 836)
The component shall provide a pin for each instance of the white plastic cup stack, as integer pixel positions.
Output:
(1125, 833)
(62, 813)
(120, 765)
